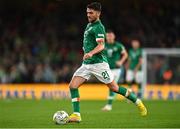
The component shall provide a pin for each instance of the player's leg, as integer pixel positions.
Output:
(138, 79)
(73, 86)
(129, 95)
(108, 106)
(129, 78)
(79, 77)
(111, 96)
(122, 90)
(102, 72)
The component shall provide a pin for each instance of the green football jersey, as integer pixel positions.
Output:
(113, 52)
(94, 32)
(134, 56)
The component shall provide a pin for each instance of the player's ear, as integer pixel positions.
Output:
(98, 13)
(114, 36)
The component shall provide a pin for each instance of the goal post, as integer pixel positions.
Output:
(156, 60)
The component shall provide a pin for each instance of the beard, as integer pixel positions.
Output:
(92, 20)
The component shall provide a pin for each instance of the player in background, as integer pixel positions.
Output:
(95, 63)
(116, 55)
(134, 73)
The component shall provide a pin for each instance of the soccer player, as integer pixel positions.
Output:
(116, 56)
(95, 63)
(134, 73)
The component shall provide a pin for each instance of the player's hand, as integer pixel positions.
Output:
(119, 63)
(87, 55)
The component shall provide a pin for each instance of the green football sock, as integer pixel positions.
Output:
(139, 94)
(111, 97)
(132, 97)
(75, 99)
(129, 95)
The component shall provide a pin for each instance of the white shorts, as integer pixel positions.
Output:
(116, 73)
(100, 70)
(130, 76)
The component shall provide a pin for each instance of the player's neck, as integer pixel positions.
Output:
(95, 20)
(135, 49)
(110, 43)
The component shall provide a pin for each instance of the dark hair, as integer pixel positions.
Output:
(95, 6)
(109, 31)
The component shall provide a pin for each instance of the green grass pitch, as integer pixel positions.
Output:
(38, 114)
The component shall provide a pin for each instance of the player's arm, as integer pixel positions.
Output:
(100, 39)
(123, 58)
(138, 65)
(96, 50)
(128, 63)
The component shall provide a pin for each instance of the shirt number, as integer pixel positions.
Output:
(105, 75)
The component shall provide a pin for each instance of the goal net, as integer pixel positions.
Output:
(161, 73)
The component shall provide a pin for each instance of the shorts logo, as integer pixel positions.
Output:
(105, 75)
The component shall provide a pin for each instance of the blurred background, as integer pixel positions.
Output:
(41, 40)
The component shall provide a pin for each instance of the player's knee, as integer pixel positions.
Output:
(139, 81)
(129, 80)
(72, 85)
(113, 88)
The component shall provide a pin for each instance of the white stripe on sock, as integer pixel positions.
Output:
(138, 101)
(127, 93)
(75, 99)
(110, 97)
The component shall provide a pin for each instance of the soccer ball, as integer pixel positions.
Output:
(60, 117)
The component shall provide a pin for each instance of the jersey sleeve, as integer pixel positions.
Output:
(121, 48)
(99, 34)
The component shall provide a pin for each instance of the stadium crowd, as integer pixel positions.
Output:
(40, 41)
